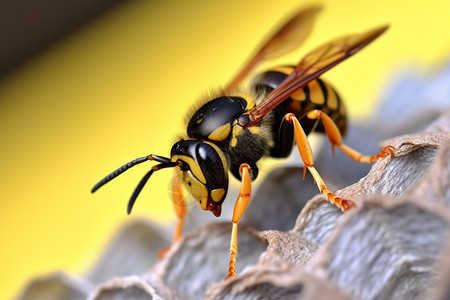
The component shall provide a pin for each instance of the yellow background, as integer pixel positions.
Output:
(118, 89)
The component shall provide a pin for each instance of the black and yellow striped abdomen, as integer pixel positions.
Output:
(317, 94)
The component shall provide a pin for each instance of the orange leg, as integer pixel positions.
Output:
(336, 140)
(179, 206)
(239, 208)
(307, 156)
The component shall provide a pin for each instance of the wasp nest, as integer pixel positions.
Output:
(391, 246)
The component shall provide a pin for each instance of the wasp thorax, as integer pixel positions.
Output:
(214, 119)
(203, 172)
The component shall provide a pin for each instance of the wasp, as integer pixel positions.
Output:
(233, 130)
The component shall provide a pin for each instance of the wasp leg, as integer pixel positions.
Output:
(179, 206)
(334, 136)
(239, 208)
(306, 154)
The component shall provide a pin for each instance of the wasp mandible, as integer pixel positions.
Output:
(233, 130)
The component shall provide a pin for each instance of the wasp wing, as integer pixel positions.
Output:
(289, 37)
(312, 66)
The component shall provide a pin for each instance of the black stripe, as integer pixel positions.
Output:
(307, 94)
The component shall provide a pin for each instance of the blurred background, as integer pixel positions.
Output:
(87, 86)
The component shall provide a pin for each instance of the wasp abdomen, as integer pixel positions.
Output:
(317, 94)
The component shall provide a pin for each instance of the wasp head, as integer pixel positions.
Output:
(203, 171)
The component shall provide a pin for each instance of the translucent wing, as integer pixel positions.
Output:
(312, 66)
(289, 37)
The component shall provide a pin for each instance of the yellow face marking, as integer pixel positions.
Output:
(197, 189)
(195, 169)
(316, 93)
(220, 133)
(217, 194)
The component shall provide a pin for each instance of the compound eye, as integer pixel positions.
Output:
(213, 166)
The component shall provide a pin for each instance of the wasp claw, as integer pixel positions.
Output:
(387, 151)
(347, 204)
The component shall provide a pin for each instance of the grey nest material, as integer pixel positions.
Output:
(293, 244)
(389, 247)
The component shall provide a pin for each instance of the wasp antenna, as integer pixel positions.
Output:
(119, 171)
(138, 189)
(158, 158)
(144, 180)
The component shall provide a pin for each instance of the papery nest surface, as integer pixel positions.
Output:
(293, 244)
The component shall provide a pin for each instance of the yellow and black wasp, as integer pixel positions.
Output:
(235, 129)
